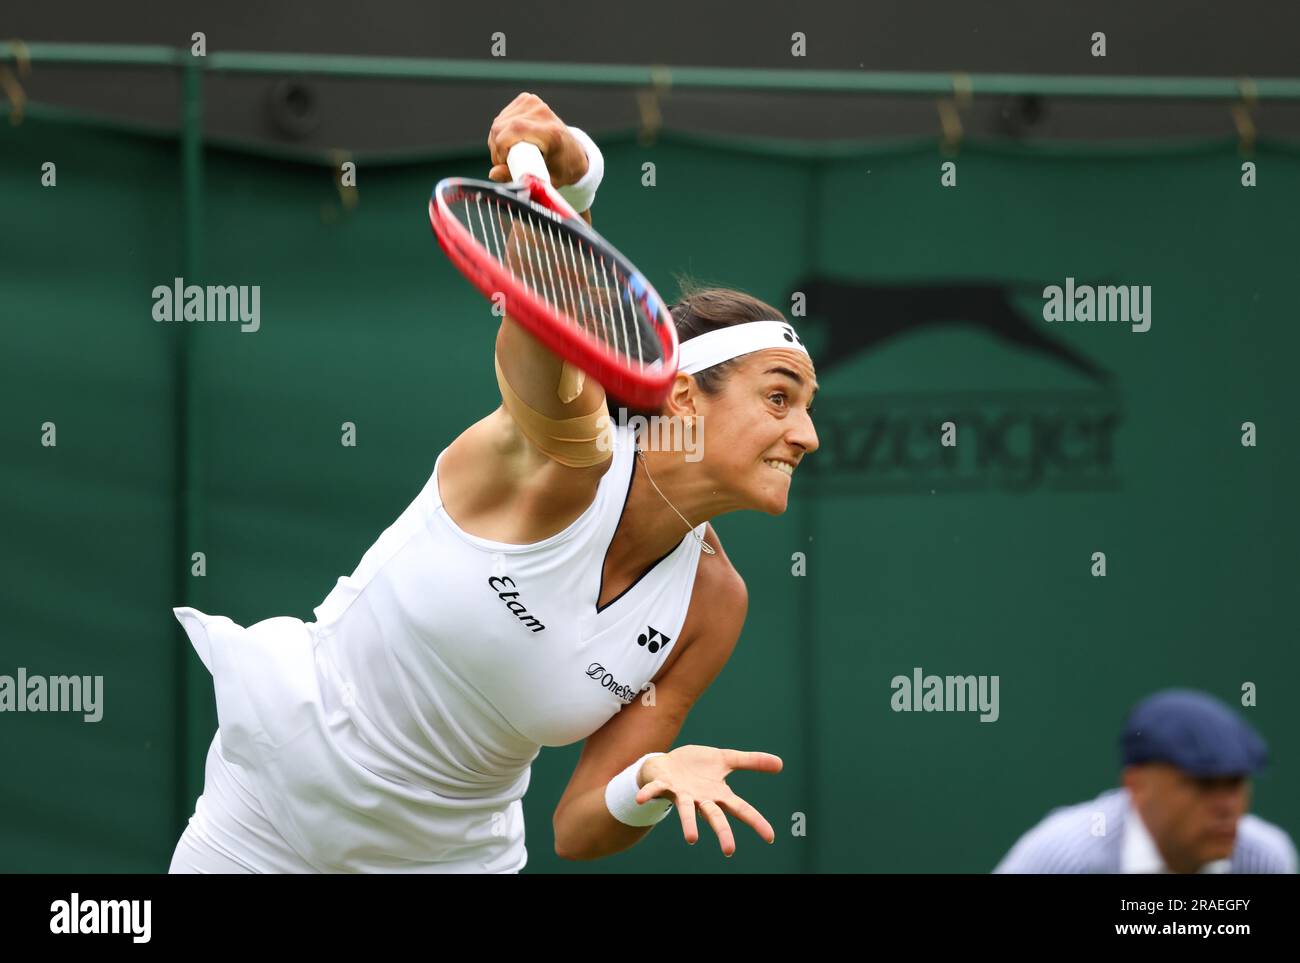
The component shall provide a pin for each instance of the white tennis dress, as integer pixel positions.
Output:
(395, 733)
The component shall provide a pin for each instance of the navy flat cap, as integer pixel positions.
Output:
(1193, 731)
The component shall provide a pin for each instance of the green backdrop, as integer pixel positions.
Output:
(960, 561)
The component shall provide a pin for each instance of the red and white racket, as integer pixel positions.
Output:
(561, 280)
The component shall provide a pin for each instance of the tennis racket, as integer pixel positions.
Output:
(561, 280)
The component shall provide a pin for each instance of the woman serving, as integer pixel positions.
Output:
(553, 581)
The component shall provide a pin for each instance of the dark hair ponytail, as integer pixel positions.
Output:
(701, 310)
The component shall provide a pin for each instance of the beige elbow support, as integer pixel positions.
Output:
(579, 442)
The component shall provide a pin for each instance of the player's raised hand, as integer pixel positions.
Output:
(694, 776)
(527, 118)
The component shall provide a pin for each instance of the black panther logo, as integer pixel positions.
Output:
(861, 315)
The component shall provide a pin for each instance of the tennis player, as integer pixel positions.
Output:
(555, 580)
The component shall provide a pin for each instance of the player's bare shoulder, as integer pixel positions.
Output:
(717, 583)
(719, 591)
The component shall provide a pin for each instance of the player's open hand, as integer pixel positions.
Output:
(694, 776)
(528, 118)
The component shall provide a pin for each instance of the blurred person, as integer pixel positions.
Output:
(1182, 807)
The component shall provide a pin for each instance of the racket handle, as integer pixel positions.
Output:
(526, 158)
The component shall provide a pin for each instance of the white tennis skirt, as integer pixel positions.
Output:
(229, 831)
(282, 793)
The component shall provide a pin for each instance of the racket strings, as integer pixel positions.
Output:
(577, 279)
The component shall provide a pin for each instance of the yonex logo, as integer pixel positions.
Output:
(789, 335)
(652, 639)
(514, 606)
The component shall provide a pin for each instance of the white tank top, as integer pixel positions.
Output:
(397, 730)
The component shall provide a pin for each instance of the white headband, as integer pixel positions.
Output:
(714, 347)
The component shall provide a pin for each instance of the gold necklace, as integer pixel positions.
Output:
(708, 549)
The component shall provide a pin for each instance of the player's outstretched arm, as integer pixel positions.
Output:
(693, 777)
(532, 370)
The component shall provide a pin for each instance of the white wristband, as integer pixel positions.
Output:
(582, 194)
(620, 798)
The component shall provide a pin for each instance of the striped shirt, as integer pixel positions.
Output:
(1090, 837)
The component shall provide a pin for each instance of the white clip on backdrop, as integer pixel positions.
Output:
(526, 158)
